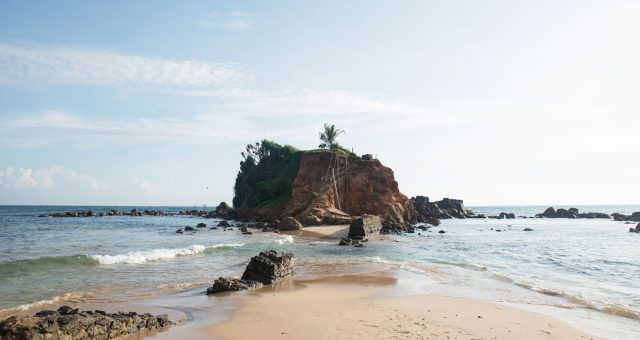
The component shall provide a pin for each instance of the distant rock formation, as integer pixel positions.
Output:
(635, 217)
(432, 212)
(362, 186)
(573, 213)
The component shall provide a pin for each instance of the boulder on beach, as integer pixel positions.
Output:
(225, 284)
(265, 268)
(365, 226)
(269, 266)
(288, 224)
(201, 225)
(223, 223)
(189, 228)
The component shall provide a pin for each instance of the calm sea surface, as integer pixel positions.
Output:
(584, 271)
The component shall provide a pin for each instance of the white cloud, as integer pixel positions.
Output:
(46, 178)
(144, 185)
(61, 64)
(236, 21)
(239, 116)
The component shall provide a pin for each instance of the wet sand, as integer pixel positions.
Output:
(369, 307)
(321, 232)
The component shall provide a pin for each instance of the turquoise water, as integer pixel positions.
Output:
(588, 268)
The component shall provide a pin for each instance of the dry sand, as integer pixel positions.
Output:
(321, 232)
(335, 310)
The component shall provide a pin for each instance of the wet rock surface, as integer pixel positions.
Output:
(288, 224)
(264, 268)
(70, 323)
(364, 227)
(228, 284)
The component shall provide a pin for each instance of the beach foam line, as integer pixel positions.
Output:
(284, 239)
(74, 297)
(142, 257)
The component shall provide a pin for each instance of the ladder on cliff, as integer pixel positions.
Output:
(335, 178)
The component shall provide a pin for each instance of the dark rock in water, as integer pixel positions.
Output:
(189, 228)
(527, 229)
(179, 231)
(288, 224)
(69, 323)
(635, 216)
(43, 215)
(223, 211)
(441, 232)
(411, 230)
(243, 228)
(201, 225)
(632, 230)
(223, 223)
(269, 266)
(358, 245)
(498, 230)
(504, 215)
(345, 241)
(231, 285)
(213, 228)
(364, 227)
(620, 217)
(549, 213)
(247, 233)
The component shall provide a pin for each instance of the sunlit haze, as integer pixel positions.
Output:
(148, 102)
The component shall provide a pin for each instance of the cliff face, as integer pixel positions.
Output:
(362, 186)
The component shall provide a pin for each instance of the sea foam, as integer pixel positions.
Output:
(141, 257)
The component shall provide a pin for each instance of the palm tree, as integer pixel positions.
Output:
(329, 135)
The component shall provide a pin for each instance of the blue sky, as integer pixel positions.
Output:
(151, 102)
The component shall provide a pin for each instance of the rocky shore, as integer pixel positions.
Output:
(263, 269)
(223, 211)
(70, 323)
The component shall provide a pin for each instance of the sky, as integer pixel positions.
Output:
(151, 102)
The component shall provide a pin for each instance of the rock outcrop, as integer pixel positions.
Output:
(432, 212)
(364, 227)
(223, 211)
(263, 269)
(70, 323)
(289, 224)
(227, 284)
(635, 217)
(365, 187)
(575, 213)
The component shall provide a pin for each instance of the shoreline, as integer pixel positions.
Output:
(200, 313)
(385, 285)
(380, 304)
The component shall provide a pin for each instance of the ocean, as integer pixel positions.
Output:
(586, 272)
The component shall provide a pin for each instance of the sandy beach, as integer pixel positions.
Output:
(369, 307)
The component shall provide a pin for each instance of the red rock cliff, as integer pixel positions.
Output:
(361, 187)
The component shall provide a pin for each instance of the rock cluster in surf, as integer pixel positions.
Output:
(570, 213)
(264, 268)
(70, 323)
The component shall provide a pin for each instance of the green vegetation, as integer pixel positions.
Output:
(268, 169)
(329, 136)
(266, 176)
